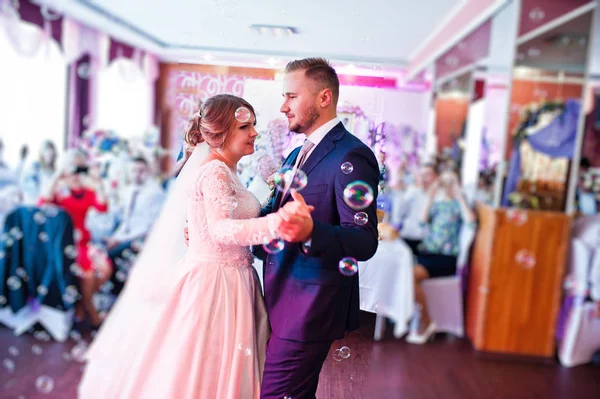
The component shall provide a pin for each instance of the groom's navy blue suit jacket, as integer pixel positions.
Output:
(307, 298)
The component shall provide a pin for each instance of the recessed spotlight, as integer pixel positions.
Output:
(452, 60)
(275, 30)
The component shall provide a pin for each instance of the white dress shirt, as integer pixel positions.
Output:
(141, 207)
(317, 136)
(407, 210)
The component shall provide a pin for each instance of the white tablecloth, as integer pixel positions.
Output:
(386, 284)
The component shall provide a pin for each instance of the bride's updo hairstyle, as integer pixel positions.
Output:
(214, 118)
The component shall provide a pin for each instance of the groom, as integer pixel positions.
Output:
(310, 303)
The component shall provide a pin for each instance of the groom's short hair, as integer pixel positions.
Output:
(320, 71)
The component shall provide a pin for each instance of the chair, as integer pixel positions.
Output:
(37, 283)
(445, 294)
(578, 329)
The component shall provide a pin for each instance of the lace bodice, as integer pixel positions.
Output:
(222, 218)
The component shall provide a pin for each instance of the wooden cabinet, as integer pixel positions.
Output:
(515, 280)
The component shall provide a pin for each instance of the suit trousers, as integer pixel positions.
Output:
(292, 368)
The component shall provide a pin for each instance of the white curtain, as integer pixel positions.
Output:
(32, 91)
(124, 99)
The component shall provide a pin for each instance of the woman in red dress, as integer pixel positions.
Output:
(77, 192)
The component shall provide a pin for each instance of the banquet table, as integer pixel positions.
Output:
(386, 286)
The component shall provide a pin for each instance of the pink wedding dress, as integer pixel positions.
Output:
(208, 340)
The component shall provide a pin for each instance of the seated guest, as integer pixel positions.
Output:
(184, 154)
(444, 212)
(37, 180)
(10, 199)
(10, 176)
(102, 224)
(585, 197)
(169, 178)
(594, 282)
(485, 188)
(76, 192)
(142, 201)
(407, 208)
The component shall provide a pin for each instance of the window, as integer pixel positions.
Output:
(125, 99)
(32, 91)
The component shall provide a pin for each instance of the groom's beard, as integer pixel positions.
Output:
(306, 123)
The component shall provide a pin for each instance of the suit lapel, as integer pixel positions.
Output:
(320, 152)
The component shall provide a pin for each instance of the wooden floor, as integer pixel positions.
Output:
(446, 368)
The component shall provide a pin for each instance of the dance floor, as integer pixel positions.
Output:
(445, 368)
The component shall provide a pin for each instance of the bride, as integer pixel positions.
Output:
(191, 322)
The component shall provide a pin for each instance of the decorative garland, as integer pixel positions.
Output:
(11, 19)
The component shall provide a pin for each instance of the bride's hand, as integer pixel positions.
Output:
(296, 222)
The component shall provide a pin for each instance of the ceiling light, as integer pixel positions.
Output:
(273, 61)
(523, 71)
(275, 30)
(536, 15)
(208, 57)
(452, 60)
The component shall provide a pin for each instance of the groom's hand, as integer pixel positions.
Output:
(297, 223)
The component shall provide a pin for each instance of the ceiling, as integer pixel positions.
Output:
(374, 32)
(563, 48)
